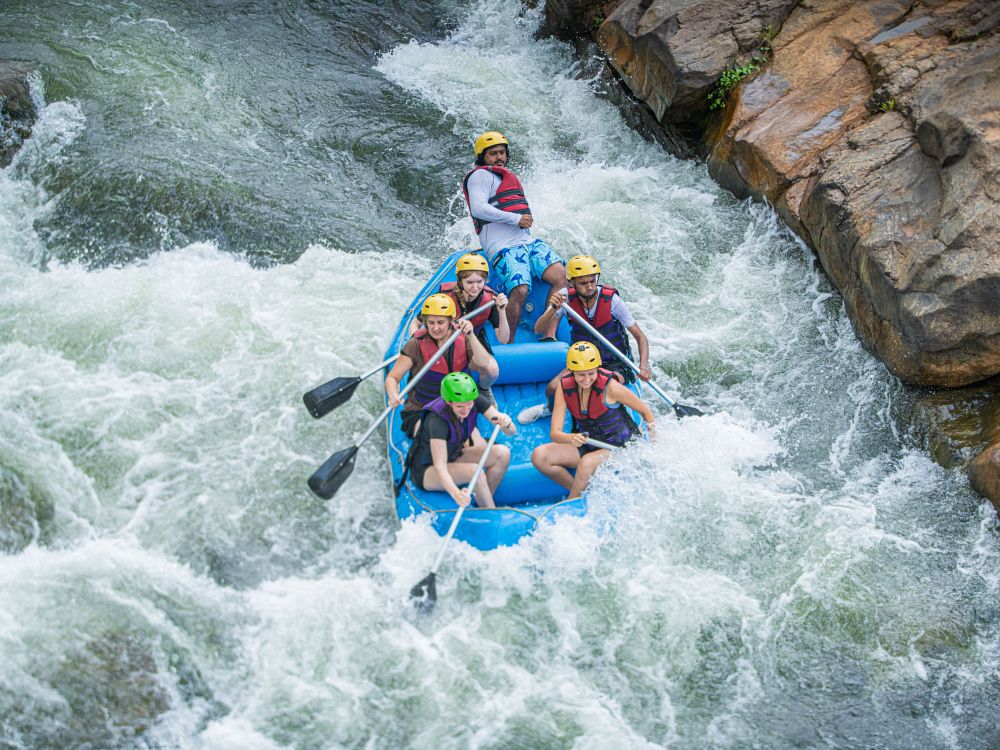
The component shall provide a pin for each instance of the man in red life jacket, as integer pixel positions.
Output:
(502, 218)
(606, 312)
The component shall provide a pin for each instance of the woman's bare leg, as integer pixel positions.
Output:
(496, 466)
(553, 460)
(487, 375)
(585, 470)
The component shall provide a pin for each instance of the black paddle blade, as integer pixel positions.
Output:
(424, 594)
(323, 399)
(687, 411)
(326, 480)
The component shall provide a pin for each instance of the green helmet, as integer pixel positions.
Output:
(459, 386)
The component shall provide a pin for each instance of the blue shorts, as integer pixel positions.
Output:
(514, 266)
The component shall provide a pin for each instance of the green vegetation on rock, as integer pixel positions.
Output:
(727, 81)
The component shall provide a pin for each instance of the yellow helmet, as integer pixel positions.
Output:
(583, 356)
(582, 265)
(472, 262)
(487, 139)
(439, 304)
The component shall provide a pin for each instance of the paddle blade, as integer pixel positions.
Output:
(686, 411)
(323, 399)
(424, 594)
(326, 480)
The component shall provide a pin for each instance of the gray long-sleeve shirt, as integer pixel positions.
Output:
(503, 230)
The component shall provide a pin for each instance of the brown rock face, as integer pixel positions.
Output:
(875, 132)
(984, 474)
(566, 19)
(671, 52)
(17, 112)
(813, 92)
(960, 423)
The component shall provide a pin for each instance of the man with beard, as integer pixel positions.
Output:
(502, 218)
(606, 312)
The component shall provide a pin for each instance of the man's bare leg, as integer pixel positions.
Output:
(515, 303)
(554, 276)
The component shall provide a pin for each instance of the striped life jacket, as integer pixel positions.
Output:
(607, 325)
(456, 359)
(614, 426)
(508, 197)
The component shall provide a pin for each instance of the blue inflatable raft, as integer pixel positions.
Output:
(525, 497)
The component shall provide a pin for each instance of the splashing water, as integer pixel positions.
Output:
(789, 570)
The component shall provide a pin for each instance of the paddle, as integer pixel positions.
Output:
(323, 399)
(425, 592)
(326, 480)
(680, 409)
(601, 444)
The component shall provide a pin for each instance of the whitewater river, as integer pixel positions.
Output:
(226, 203)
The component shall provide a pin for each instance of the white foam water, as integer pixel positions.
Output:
(789, 570)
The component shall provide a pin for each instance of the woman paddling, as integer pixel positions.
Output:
(470, 293)
(597, 402)
(448, 444)
(438, 316)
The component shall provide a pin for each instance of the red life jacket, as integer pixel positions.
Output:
(595, 404)
(607, 325)
(456, 359)
(603, 315)
(451, 289)
(614, 426)
(508, 197)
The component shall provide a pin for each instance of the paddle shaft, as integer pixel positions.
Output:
(586, 324)
(472, 489)
(378, 367)
(413, 381)
(601, 444)
(393, 358)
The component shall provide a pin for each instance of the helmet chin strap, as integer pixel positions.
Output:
(588, 300)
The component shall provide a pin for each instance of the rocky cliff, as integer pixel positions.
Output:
(873, 132)
(873, 128)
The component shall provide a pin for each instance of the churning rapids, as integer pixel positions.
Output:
(224, 204)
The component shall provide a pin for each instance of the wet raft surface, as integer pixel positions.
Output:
(525, 497)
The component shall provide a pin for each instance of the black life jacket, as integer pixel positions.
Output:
(459, 435)
(508, 197)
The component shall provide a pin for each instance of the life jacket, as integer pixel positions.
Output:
(508, 197)
(459, 434)
(614, 426)
(456, 359)
(607, 325)
(451, 289)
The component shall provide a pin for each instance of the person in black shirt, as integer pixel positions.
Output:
(448, 444)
